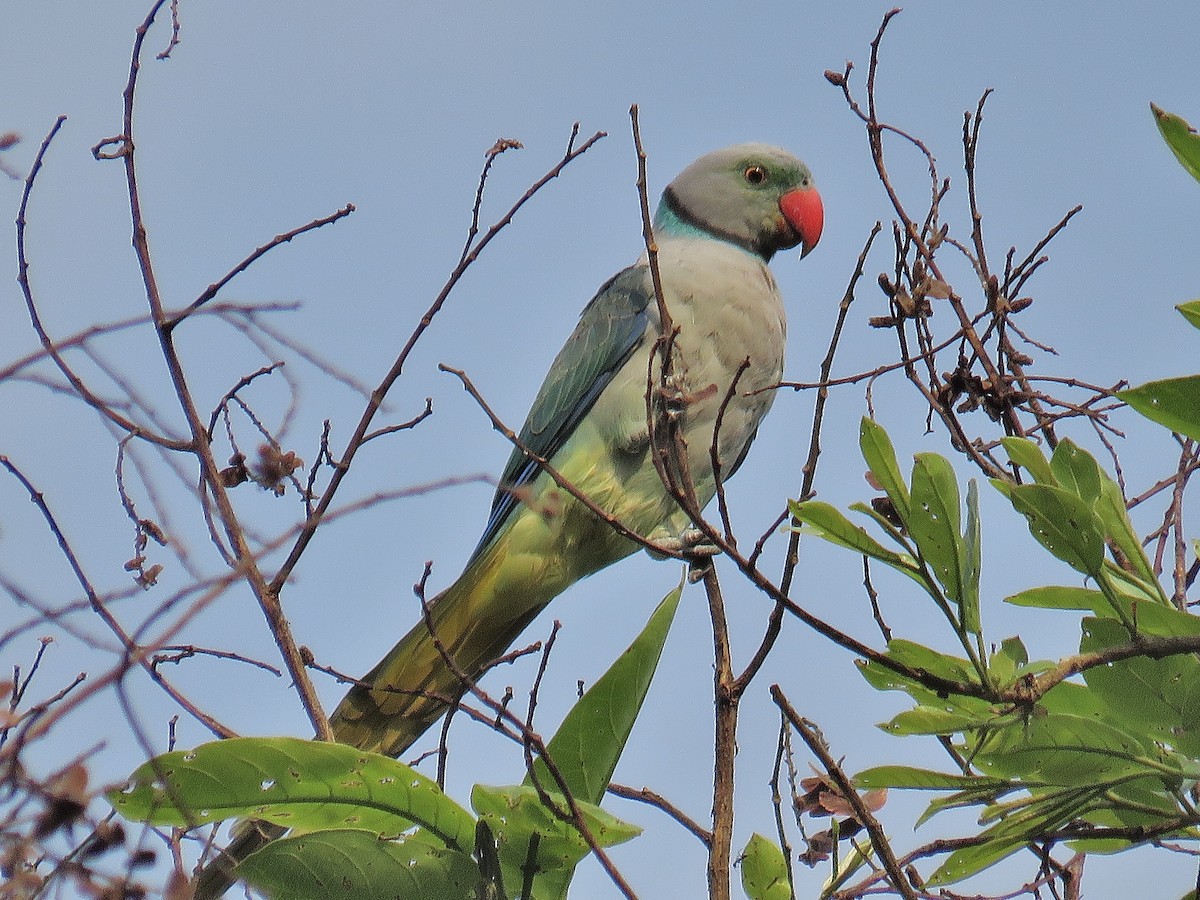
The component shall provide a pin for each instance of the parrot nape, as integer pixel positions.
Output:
(717, 226)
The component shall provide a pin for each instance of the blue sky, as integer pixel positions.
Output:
(271, 114)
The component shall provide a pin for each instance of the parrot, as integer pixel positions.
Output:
(717, 226)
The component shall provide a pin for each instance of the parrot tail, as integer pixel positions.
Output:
(475, 620)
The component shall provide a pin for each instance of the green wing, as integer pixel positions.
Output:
(609, 329)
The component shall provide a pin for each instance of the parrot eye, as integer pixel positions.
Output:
(755, 174)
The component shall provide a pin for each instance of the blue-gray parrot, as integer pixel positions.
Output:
(717, 226)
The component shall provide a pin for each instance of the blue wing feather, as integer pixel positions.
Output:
(610, 327)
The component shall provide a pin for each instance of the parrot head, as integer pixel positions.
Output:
(754, 195)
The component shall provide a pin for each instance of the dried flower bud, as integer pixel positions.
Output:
(151, 529)
(934, 287)
(503, 144)
(149, 577)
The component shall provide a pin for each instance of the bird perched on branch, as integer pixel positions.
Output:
(718, 224)
(593, 421)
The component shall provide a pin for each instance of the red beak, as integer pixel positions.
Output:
(804, 212)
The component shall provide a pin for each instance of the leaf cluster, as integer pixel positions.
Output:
(1105, 762)
(364, 825)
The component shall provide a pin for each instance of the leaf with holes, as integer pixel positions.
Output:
(1156, 697)
(934, 521)
(1066, 750)
(1076, 470)
(764, 870)
(1061, 522)
(304, 785)
(352, 863)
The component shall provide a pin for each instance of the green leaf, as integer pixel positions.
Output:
(913, 778)
(966, 861)
(764, 870)
(828, 522)
(1072, 698)
(1138, 802)
(1028, 455)
(1007, 661)
(302, 784)
(1059, 597)
(1027, 817)
(1063, 749)
(880, 457)
(1114, 517)
(1151, 617)
(1190, 311)
(1181, 138)
(975, 795)
(934, 520)
(1032, 817)
(972, 563)
(588, 743)
(1156, 697)
(924, 659)
(1076, 470)
(1173, 402)
(953, 668)
(934, 720)
(359, 865)
(515, 814)
(1061, 522)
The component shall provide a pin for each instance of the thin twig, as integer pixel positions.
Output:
(213, 289)
(879, 839)
(342, 466)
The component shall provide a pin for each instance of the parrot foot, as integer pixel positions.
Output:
(692, 545)
(676, 395)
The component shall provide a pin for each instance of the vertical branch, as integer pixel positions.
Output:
(726, 697)
(669, 450)
(664, 314)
